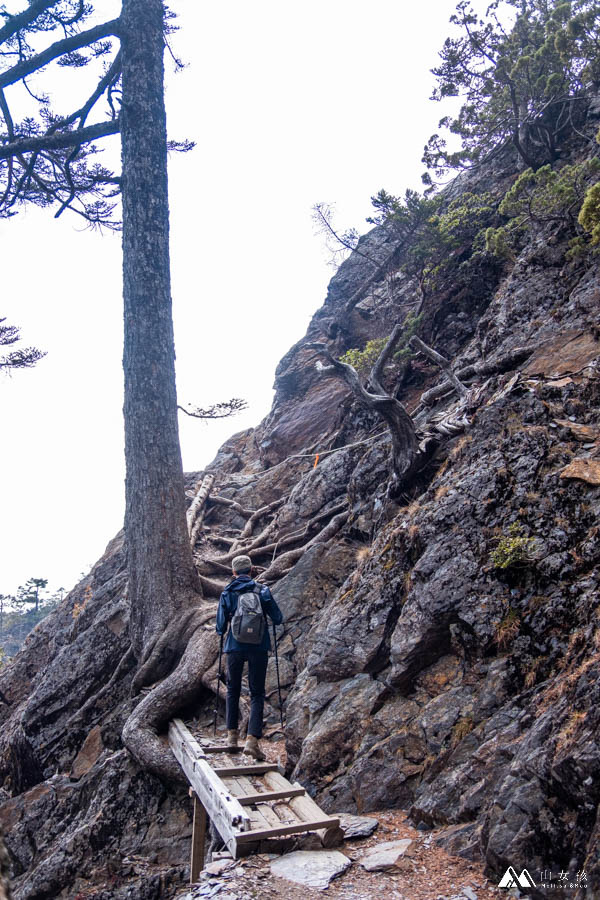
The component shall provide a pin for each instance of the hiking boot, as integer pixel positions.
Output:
(252, 748)
(232, 740)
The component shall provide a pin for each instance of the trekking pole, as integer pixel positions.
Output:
(277, 669)
(218, 686)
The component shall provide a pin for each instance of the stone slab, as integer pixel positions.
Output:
(313, 868)
(385, 856)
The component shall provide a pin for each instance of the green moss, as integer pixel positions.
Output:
(513, 549)
(364, 360)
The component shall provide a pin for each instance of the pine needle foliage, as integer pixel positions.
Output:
(589, 215)
(525, 85)
(544, 197)
(443, 236)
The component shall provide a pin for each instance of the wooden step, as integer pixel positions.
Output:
(256, 769)
(267, 796)
(269, 814)
(218, 748)
(243, 837)
(245, 793)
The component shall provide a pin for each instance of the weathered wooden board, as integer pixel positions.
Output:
(244, 791)
(295, 828)
(198, 840)
(225, 812)
(220, 748)
(256, 769)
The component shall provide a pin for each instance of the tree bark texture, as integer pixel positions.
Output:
(5, 893)
(162, 577)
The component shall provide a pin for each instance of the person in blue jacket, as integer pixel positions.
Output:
(256, 655)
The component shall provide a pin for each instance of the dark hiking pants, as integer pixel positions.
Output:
(257, 670)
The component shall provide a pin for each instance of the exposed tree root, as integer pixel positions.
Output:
(257, 548)
(167, 649)
(197, 511)
(484, 368)
(211, 588)
(141, 733)
(440, 361)
(254, 518)
(232, 504)
(282, 565)
(220, 539)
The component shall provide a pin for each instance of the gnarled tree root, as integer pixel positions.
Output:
(196, 669)
(159, 658)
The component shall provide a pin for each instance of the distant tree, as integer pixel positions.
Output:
(526, 85)
(24, 357)
(339, 244)
(30, 593)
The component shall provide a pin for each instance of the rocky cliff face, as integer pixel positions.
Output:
(416, 671)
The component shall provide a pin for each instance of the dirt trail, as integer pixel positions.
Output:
(428, 874)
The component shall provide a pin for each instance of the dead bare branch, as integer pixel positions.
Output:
(440, 361)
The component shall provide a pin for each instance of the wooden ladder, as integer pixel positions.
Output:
(247, 803)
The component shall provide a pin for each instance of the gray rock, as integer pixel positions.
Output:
(357, 826)
(385, 856)
(313, 868)
(219, 866)
(469, 893)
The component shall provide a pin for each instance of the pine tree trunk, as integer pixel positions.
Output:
(5, 893)
(162, 578)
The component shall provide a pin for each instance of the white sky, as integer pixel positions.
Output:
(289, 105)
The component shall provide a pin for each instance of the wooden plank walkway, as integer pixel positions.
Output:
(248, 802)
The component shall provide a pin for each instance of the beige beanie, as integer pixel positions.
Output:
(241, 564)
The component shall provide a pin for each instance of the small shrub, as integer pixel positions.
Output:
(364, 360)
(549, 196)
(533, 671)
(567, 734)
(589, 215)
(514, 549)
(508, 629)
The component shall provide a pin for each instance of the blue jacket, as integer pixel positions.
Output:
(228, 605)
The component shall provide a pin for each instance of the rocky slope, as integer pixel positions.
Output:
(416, 673)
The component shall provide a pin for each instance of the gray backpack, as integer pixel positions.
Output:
(248, 621)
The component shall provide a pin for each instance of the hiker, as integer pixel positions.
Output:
(247, 641)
